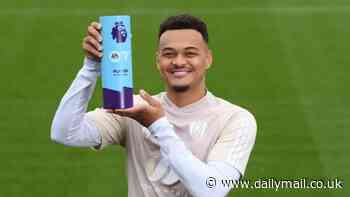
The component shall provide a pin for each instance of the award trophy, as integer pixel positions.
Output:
(116, 63)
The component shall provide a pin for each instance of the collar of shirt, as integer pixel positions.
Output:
(203, 103)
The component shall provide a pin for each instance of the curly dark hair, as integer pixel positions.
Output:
(184, 21)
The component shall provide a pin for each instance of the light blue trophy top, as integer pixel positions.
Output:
(116, 63)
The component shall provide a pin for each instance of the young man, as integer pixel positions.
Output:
(181, 142)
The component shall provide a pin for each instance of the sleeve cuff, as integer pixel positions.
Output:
(92, 65)
(162, 128)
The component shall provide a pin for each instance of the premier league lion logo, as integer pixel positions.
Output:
(119, 33)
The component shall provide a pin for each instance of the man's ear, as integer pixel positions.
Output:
(209, 59)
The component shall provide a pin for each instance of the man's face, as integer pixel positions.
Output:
(183, 58)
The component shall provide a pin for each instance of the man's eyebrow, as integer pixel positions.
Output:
(172, 49)
(167, 49)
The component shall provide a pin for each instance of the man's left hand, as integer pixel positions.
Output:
(143, 113)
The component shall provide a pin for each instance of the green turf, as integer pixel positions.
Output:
(285, 60)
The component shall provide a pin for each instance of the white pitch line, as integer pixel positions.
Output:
(167, 11)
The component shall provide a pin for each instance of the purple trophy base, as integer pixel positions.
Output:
(113, 99)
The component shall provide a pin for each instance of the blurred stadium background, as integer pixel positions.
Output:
(285, 60)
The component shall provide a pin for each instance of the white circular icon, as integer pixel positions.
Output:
(114, 56)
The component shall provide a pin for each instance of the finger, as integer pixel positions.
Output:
(93, 42)
(96, 25)
(92, 31)
(130, 114)
(133, 110)
(109, 110)
(149, 99)
(90, 50)
(121, 113)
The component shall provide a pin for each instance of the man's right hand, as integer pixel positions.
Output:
(92, 42)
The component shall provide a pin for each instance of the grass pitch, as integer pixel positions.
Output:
(286, 61)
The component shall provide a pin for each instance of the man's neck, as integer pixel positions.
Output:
(181, 99)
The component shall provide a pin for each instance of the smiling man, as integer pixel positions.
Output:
(181, 142)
